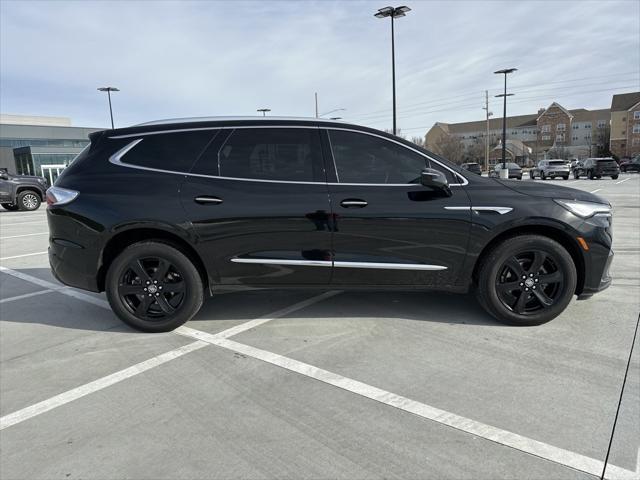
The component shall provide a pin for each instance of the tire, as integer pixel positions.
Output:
(177, 290)
(543, 176)
(10, 206)
(590, 175)
(500, 279)
(614, 177)
(565, 177)
(28, 200)
(576, 175)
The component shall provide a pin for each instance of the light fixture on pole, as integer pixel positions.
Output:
(264, 111)
(505, 71)
(393, 13)
(109, 90)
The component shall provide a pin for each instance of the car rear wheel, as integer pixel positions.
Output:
(526, 280)
(615, 177)
(10, 206)
(28, 200)
(590, 175)
(153, 287)
(565, 177)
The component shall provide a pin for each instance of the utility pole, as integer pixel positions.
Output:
(486, 107)
(316, 95)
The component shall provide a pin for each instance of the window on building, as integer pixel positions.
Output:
(546, 128)
(546, 137)
(561, 127)
(560, 137)
(602, 123)
(575, 126)
(636, 115)
(635, 142)
(636, 128)
(574, 138)
(587, 125)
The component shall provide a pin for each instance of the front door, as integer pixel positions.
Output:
(389, 229)
(258, 201)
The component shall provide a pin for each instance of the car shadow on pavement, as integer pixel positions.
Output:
(67, 312)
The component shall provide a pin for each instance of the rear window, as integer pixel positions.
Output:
(557, 162)
(513, 165)
(606, 162)
(169, 151)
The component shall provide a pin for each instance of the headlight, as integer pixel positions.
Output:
(585, 209)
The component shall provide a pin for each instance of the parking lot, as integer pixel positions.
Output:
(274, 384)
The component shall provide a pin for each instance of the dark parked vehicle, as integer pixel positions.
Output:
(161, 214)
(472, 167)
(550, 169)
(597, 168)
(632, 165)
(21, 192)
(515, 171)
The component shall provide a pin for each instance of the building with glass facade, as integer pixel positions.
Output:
(39, 145)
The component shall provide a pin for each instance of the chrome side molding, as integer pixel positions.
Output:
(329, 263)
(500, 210)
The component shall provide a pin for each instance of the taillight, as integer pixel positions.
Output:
(60, 196)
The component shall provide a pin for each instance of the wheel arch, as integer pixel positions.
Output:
(123, 239)
(555, 233)
(32, 188)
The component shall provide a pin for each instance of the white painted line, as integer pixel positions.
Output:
(25, 255)
(622, 181)
(104, 382)
(26, 295)
(596, 190)
(17, 223)
(488, 432)
(70, 292)
(101, 383)
(25, 235)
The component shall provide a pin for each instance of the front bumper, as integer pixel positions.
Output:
(605, 280)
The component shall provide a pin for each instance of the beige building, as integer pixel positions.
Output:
(625, 124)
(551, 132)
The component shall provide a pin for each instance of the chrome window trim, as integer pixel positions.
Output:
(500, 210)
(116, 158)
(339, 264)
(170, 121)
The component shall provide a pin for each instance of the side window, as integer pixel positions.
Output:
(362, 158)
(285, 154)
(169, 151)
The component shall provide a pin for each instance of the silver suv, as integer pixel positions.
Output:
(550, 169)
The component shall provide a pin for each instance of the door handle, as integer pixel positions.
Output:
(353, 202)
(202, 200)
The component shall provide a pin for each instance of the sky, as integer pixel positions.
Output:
(209, 58)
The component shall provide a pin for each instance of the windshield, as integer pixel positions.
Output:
(513, 165)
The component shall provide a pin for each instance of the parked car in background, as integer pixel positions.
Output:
(515, 171)
(472, 167)
(632, 165)
(550, 169)
(597, 168)
(21, 192)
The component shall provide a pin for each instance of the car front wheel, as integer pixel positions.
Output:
(576, 175)
(526, 280)
(28, 200)
(615, 177)
(153, 287)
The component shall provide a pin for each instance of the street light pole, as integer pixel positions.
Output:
(393, 13)
(505, 71)
(109, 90)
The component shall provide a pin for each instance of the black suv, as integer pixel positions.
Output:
(597, 168)
(21, 192)
(160, 214)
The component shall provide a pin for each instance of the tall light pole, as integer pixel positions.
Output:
(264, 111)
(506, 72)
(109, 90)
(393, 13)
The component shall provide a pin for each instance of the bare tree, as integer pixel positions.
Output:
(475, 152)
(451, 148)
(420, 141)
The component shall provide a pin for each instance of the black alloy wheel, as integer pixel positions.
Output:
(154, 287)
(526, 280)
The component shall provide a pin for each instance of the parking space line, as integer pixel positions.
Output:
(503, 437)
(25, 235)
(104, 382)
(101, 383)
(596, 190)
(622, 181)
(27, 295)
(21, 256)
(70, 292)
(19, 223)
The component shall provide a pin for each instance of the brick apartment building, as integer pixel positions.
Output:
(551, 132)
(625, 124)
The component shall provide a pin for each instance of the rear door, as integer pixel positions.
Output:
(258, 202)
(389, 229)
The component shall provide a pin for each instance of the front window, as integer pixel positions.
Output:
(546, 128)
(561, 127)
(362, 158)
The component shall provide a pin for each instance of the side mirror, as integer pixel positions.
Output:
(434, 179)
